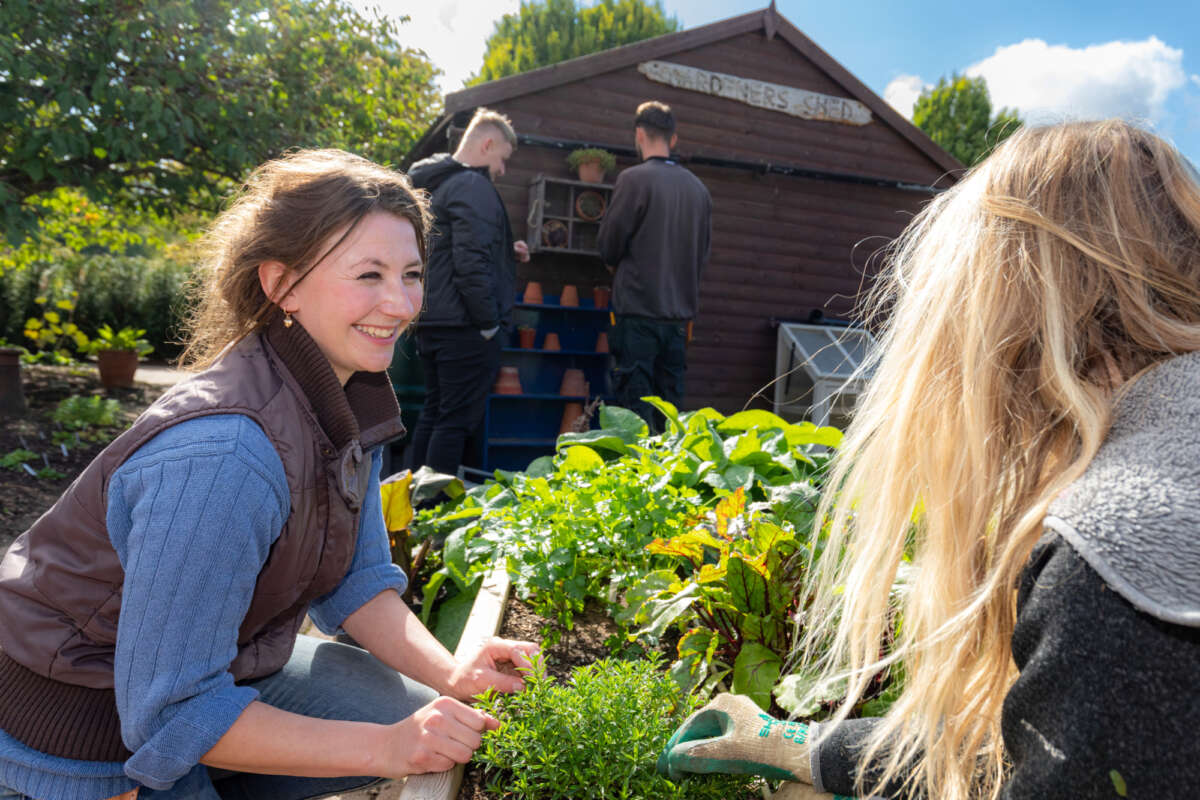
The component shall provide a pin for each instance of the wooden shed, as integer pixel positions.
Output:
(810, 174)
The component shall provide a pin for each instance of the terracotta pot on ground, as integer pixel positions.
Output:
(525, 337)
(533, 293)
(572, 412)
(602, 342)
(12, 399)
(601, 295)
(117, 367)
(551, 342)
(508, 382)
(591, 172)
(573, 384)
(569, 296)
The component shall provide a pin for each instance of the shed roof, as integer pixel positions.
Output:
(768, 20)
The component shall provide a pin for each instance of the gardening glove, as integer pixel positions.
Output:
(731, 734)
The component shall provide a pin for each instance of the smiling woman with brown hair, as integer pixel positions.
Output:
(148, 621)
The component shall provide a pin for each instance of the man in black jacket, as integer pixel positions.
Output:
(655, 237)
(470, 286)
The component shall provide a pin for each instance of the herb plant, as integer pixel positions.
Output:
(15, 458)
(124, 339)
(77, 413)
(597, 737)
(585, 155)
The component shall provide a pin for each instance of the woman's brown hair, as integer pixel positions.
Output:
(287, 211)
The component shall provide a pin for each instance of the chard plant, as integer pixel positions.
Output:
(597, 737)
(732, 592)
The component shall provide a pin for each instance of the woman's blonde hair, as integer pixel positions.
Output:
(1011, 309)
(287, 211)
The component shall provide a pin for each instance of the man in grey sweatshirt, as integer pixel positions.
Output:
(656, 239)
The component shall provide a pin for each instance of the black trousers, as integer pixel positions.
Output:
(460, 368)
(650, 358)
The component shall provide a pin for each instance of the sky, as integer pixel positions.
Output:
(1052, 60)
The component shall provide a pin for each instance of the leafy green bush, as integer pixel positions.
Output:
(577, 525)
(598, 737)
(134, 290)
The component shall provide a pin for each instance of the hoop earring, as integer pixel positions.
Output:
(287, 319)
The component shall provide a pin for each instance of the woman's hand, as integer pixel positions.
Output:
(435, 738)
(494, 664)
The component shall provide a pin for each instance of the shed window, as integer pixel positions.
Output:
(817, 369)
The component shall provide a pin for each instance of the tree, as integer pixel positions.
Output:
(159, 104)
(957, 114)
(545, 32)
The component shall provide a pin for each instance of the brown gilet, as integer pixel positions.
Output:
(60, 582)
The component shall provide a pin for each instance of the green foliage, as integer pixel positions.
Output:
(124, 339)
(78, 413)
(734, 602)
(586, 155)
(15, 458)
(957, 114)
(16, 461)
(142, 286)
(164, 105)
(598, 737)
(546, 32)
(51, 333)
(576, 526)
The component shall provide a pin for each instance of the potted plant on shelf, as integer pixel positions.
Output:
(591, 163)
(117, 354)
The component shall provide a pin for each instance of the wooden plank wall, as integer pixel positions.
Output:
(782, 245)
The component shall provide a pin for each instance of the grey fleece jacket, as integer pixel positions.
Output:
(1107, 640)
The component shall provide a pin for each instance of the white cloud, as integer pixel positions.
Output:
(1047, 83)
(451, 32)
(903, 92)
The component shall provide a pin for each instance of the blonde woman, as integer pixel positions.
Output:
(1033, 433)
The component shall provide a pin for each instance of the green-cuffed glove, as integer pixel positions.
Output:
(731, 734)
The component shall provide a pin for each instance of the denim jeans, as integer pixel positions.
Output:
(322, 679)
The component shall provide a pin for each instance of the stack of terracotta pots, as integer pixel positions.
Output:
(508, 382)
(573, 384)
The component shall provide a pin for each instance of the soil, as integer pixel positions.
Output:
(23, 497)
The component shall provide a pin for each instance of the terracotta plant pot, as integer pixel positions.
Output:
(602, 342)
(508, 382)
(590, 205)
(533, 293)
(601, 295)
(12, 399)
(569, 296)
(571, 412)
(117, 367)
(551, 342)
(573, 384)
(525, 337)
(591, 172)
(554, 233)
